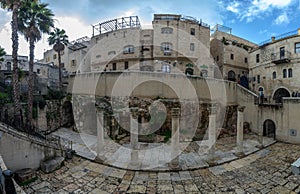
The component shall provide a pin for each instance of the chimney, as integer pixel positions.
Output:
(273, 38)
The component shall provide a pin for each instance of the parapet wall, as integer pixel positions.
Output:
(19, 151)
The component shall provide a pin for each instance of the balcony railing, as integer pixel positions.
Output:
(281, 57)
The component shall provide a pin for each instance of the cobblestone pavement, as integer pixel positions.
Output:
(266, 171)
(157, 156)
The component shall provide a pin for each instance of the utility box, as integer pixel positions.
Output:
(296, 167)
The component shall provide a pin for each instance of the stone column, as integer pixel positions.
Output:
(134, 138)
(100, 133)
(260, 127)
(212, 133)
(240, 131)
(175, 147)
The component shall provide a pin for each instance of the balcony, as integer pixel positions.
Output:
(281, 57)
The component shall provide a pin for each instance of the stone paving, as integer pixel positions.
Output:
(157, 156)
(266, 171)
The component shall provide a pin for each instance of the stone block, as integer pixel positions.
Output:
(52, 164)
(25, 175)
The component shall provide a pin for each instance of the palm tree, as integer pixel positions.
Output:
(34, 19)
(14, 5)
(58, 39)
(2, 53)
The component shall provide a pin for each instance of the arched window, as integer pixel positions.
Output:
(274, 75)
(231, 76)
(129, 49)
(284, 73)
(290, 72)
(166, 47)
(167, 30)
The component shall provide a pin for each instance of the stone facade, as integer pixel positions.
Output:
(231, 53)
(273, 67)
(72, 56)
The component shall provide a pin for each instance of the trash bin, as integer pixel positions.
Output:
(69, 154)
(8, 182)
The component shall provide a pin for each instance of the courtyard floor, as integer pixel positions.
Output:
(265, 171)
(157, 156)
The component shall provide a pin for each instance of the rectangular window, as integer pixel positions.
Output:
(192, 46)
(257, 58)
(231, 56)
(253, 79)
(126, 65)
(73, 63)
(258, 79)
(114, 66)
(217, 58)
(297, 47)
(246, 60)
(282, 52)
(193, 31)
(54, 56)
(38, 71)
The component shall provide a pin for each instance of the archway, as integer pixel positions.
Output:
(231, 76)
(189, 71)
(279, 93)
(269, 128)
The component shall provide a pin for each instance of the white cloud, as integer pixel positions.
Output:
(282, 19)
(249, 10)
(73, 26)
(233, 7)
(263, 5)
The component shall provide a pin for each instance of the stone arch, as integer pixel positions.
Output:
(269, 128)
(189, 71)
(280, 93)
(231, 75)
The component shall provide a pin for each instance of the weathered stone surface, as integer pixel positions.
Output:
(25, 175)
(52, 164)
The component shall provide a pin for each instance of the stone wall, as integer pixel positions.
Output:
(50, 119)
(19, 151)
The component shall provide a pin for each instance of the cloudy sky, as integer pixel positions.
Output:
(255, 20)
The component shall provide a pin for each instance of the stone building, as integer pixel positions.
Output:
(231, 53)
(47, 76)
(274, 67)
(175, 44)
(7, 64)
(71, 57)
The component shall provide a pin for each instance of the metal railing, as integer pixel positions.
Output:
(281, 57)
(39, 136)
(287, 34)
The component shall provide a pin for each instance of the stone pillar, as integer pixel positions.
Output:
(212, 133)
(260, 127)
(240, 131)
(100, 133)
(134, 138)
(175, 147)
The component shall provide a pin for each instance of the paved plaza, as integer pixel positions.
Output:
(266, 171)
(157, 156)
